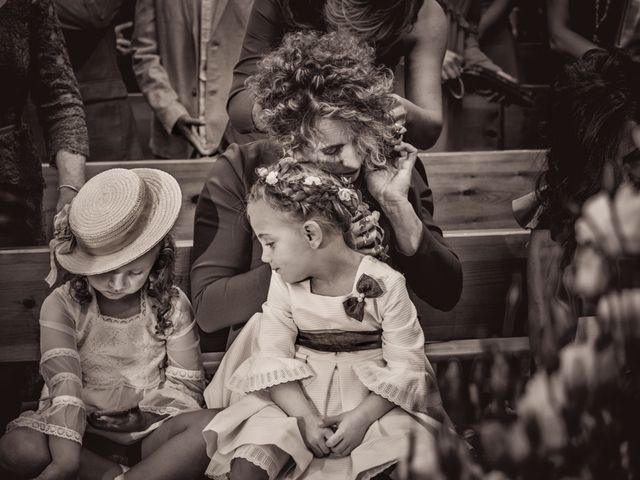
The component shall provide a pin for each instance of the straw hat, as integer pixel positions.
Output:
(118, 216)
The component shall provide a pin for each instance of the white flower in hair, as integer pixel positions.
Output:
(272, 178)
(344, 194)
(262, 172)
(312, 180)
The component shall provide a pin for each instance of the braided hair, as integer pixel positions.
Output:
(304, 192)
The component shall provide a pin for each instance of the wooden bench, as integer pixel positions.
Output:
(472, 190)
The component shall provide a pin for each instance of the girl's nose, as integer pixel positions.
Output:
(265, 256)
(117, 282)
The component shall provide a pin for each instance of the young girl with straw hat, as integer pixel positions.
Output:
(120, 350)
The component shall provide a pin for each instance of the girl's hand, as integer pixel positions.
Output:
(392, 185)
(365, 233)
(350, 428)
(315, 435)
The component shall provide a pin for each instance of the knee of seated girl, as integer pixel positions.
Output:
(24, 451)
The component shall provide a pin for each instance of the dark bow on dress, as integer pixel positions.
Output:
(367, 287)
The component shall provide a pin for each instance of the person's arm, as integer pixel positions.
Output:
(292, 400)
(64, 415)
(496, 11)
(149, 71)
(56, 95)
(184, 371)
(229, 281)
(87, 14)
(561, 38)
(418, 247)
(264, 32)
(423, 90)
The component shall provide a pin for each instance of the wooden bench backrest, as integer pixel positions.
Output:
(489, 258)
(471, 189)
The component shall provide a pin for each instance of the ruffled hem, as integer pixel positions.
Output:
(259, 457)
(260, 373)
(46, 428)
(406, 388)
(171, 411)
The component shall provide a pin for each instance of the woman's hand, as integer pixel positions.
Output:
(367, 237)
(185, 127)
(350, 428)
(451, 65)
(392, 185)
(315, 435)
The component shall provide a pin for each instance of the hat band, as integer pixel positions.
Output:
(125, 236)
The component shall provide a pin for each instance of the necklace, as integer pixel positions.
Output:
(599, 19)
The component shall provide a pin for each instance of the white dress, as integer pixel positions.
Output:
(95, 362)
(254, 428)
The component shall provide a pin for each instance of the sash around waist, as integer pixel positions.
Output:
(339, 340)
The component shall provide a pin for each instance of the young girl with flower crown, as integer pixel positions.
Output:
(120, 351)
(338, 379)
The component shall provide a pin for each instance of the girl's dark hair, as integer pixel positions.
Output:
(311, 77)
(590, 102)
(160, 286)
(305, 192)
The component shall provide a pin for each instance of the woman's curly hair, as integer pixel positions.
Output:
(160, 286)
(312, 77)
(590, 103)
(305, 192)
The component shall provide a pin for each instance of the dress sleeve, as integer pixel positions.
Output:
(274, 362)
(264, 32)
(184, 375)
(229, 282)
(441, 290)
(62, 412)
(404, 379)
(54, 87)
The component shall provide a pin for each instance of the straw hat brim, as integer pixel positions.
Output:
(165, 202)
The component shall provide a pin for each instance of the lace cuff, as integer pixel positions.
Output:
(63, 417)
(259, 373)
(184, 374)
(409, 389)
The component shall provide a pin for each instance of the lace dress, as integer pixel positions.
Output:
(254, 428)
(95, 362)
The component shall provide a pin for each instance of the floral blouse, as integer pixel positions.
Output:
(92, 362)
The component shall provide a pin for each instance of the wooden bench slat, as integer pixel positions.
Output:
(488, 260)
(471, 189)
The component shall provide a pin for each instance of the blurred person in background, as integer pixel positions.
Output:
(594, 110)
(183, 57)
(33, 61)
(88, 27)
(577, 26)
(466, 23)
(413, 29)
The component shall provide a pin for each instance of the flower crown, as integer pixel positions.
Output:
(270, 177)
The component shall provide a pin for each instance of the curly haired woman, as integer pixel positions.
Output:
(337, 115)
(413, 29)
